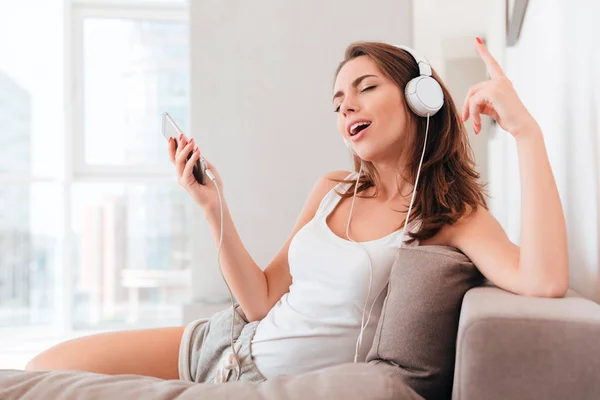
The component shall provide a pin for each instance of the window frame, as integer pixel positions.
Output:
(128, 9)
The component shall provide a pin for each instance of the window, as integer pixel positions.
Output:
(130, 223)
(16, 125)
(28, 250)
(133, 70)
(94, 231)
(131, 248)
(31, 195)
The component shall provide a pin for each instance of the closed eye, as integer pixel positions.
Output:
(364, 90)
(368, 88)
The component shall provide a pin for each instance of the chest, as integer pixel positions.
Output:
(321, 262)
(370, 220)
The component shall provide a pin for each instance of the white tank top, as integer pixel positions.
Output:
(316, 324)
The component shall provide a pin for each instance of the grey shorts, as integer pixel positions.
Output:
(205, 354)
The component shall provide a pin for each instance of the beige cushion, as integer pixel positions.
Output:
(345, 381)
(419, 321)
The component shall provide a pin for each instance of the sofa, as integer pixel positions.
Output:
(506, 346)
(516, 347)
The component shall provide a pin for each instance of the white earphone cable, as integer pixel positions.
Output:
(233, 349)
(359, 341)
(364, 324)
(416, 181)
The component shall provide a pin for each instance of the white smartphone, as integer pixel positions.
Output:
(170, 129)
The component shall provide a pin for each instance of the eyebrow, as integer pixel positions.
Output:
(355, 83)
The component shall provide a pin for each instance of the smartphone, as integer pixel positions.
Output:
(170, 129)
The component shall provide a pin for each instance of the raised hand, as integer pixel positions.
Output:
(496, 98)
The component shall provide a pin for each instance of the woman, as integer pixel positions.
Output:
(387, 140)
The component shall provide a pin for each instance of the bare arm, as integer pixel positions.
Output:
(257, 291)
(540, 267)
(243, 275)
(544, 255)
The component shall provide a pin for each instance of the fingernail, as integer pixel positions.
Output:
(196, 149)
(181, 137)
(170, 139)
(479, 40)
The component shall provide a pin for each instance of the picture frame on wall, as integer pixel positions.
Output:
(514, 20)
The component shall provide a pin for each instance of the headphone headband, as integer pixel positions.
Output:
(424, 67)
(423, 93)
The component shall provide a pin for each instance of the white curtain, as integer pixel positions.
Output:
(555, 69)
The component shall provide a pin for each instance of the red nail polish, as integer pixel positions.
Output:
(181, 137)
(479, 40)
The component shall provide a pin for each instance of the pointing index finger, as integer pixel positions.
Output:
(490, 62)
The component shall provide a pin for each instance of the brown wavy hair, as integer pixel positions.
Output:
(449, 185)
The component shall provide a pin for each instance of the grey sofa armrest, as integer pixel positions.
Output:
(517, 347)
(346, 381)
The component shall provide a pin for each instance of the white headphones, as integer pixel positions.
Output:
(423, 94)
(425, 97)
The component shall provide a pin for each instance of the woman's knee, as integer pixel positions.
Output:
(58, 357)
(40, 363)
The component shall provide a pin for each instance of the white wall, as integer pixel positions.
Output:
(262, 79)
(437, 21)
(554, 68)
(445, 32)
(460, 74)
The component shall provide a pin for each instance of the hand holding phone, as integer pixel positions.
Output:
(193, 170)
(171, 130)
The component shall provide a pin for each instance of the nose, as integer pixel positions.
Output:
(349, 105)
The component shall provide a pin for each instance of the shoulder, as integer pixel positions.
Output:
(320, 189)
(328, 182)
(473, 221)
(323, 186)
(332, 178)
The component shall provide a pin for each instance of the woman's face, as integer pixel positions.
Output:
(363, 95)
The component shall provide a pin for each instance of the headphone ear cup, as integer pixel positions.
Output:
(424, 95)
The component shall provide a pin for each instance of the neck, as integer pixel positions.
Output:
(392, 188)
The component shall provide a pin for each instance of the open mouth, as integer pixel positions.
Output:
(359, 126)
